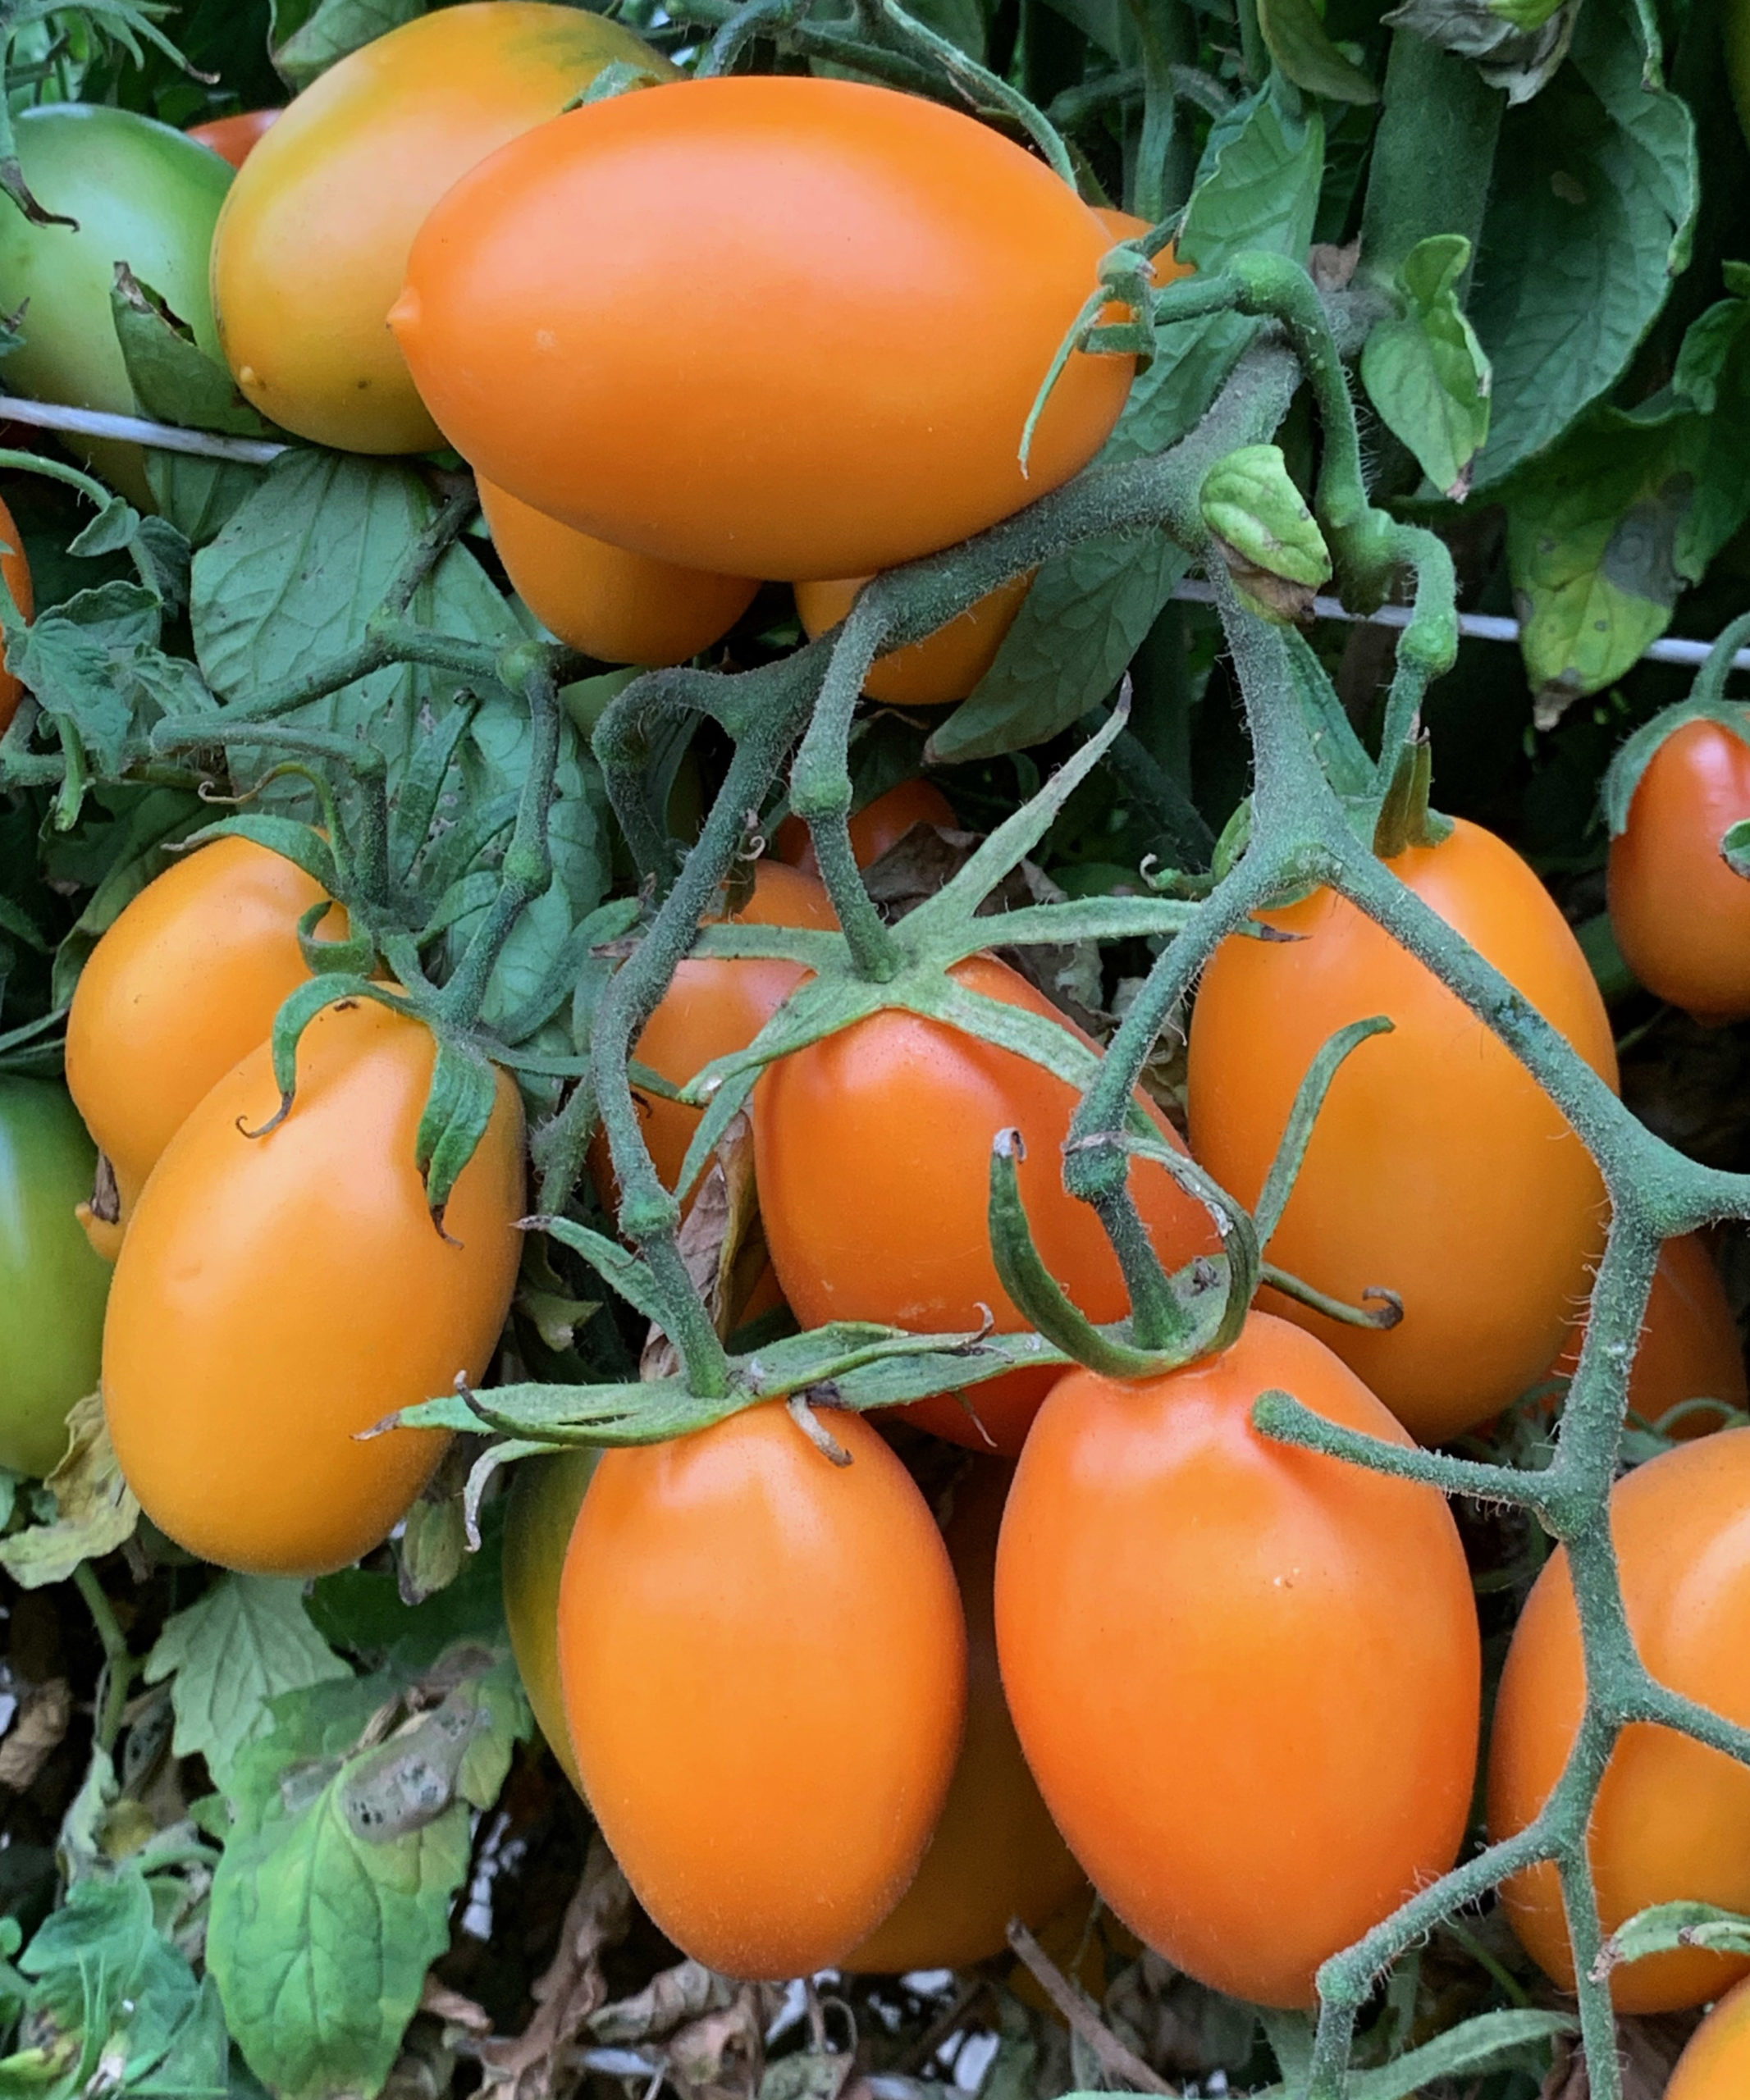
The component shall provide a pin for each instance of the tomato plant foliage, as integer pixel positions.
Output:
(1457, 319)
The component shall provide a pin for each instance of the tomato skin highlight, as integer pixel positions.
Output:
(995, 1854)
(1689, 1348)
(768, 1813)
(546, 1494)
(942, 667)
(143, 195)
(1437, 1167)
(186, 982)
(623, 607)
(51, 1285)
(15, 568)
(1673, 1818)
(875, 829)
(310, 254)
(1715, 2065)
(1273, 1736)
(234, 138)
(905, 1109)
(1681, 917)
(275, 1296)
(841, 248)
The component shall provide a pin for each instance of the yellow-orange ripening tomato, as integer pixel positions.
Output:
(1681, 917)
(872, 1150)
(545, 1496)
(310, 249)
(773, 326)
(275, 1296)
(1246, 1676)
(1672, 1821)
(234, 138)
(875, 829)
(765, 1670)
(1438, 1168)
(1689, 1346)
(16, 570)
(714, 1005)
(621, 607)
(1716, 2064)
(996, 1853)
(185, 981)
(944, 666)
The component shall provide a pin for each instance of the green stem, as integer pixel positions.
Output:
(119, 1666)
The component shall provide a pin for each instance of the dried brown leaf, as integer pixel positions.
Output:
(1648, 2049)
(669, 2000)
(536, 2064)
(95, 1508)
(721, 2056)
(712, 1239)
(38, 1729)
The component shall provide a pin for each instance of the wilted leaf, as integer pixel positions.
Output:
(37, 1730)
(95, 1508)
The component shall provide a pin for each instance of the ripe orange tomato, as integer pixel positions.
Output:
(873, 1153)
(1716, 2064)
(1673, 1818)
(822, 412)
(1438, 1167)
(713, 1008)
(16, 570)
(623, 607)
(234, 138)
(996, 1853)
(185, 981)
(765, 1671)
(275, 1296)
(545, 1493)
(1681, 917)
(944, 666)
(874, 829)
(1246, 1678)
(310, 249)
(1689, 1347)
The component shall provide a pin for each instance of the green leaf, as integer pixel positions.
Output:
(199, 497)
(1257, 186)
(1667, 1926)
(1249, 501)
(1606, 531)
(174, 379)
(332, 1896)
(1424, 370)
(362, 1609)
(244, 1642)
(297, 571)
(1492, 2040)
(1295, 39)
(79, 659)
(1085, 617)
(1734, 847)
(1596, 191)
(330, 30)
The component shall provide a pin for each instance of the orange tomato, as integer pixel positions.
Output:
(16, 569)
(871, 288)
(996, 1854)
(765, 1671)
(944, 666)
(185, 981)
(234, 138)
(276, 1295)
(713, 1008)
(873, 1153)
(1438, 1167)
(1681, 917)
(1246, 1678)
(1689, 1346)
(545, 1493)
(623, 607)
(1716, 2064)
(882, 823)
(1673, 1818)
(311, 247)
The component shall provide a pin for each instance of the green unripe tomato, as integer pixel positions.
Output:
(143, 196)
(546, 1494)
(53, 1287)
